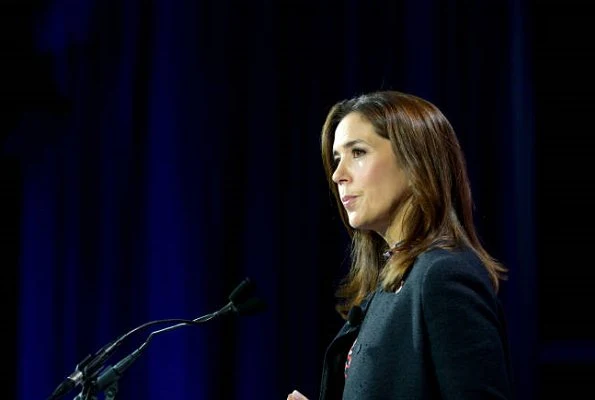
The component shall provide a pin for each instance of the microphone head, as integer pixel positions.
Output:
(242, 300)
(243, 291)
(250, 307)
(355, 316)
(66, 386)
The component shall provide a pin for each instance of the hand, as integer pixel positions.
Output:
(295, 395)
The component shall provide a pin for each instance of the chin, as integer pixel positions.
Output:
(355, 224)
(363, 225)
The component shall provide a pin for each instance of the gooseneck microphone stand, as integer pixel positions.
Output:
(91, 375)
(107, 381)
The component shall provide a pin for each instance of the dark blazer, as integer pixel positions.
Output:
(441, 336)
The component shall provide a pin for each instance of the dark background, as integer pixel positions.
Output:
(154, 154)
(564, 196)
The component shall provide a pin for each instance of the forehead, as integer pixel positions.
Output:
(354, 127)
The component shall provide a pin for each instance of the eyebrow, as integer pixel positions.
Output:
(348, 145)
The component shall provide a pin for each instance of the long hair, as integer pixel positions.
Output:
(440, 211)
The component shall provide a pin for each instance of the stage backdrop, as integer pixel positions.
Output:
(167, 150)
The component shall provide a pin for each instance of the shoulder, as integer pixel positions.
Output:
(438, 270)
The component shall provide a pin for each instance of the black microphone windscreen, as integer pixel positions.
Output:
(355, 316)
(242, 292)
(251, 306)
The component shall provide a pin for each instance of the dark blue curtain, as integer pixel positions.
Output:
(162, 151)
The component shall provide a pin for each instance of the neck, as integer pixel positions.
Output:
(394, 234)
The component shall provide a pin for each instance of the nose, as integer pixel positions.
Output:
(340, 174)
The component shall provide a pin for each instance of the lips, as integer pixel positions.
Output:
(348, 201)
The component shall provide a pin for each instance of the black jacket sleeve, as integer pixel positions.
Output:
(466, 331)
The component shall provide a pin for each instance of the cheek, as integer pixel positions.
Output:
(374, 176)
(384, 185)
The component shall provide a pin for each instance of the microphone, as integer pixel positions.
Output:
(243, 291)
(86, 367)
(241, 302)
(89, 366)
(250, 307)
(71, 380)
(355, 316)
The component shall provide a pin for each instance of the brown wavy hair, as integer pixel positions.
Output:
(440, 212)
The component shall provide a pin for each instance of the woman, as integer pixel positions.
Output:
(423, 320)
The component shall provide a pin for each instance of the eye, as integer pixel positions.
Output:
(357, 152)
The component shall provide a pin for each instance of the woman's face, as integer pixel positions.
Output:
(370, 182)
